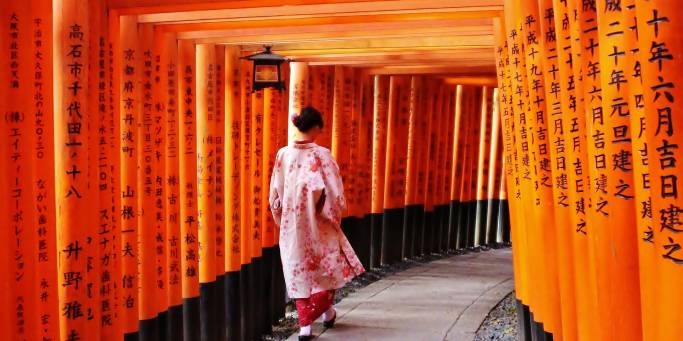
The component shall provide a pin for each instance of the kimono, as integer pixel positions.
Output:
(307, 202)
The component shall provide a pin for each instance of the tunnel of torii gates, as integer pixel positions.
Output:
(136, 157)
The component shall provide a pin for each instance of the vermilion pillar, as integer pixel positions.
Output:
(494, 173)
(431, 173)
(469, 121)
(411, 202)
(256, 227)
(247, 290)
(272, 108)
(358, 164)
(366, 150)
(424, 127)
(586, 51)
(528, 234)
(42, 113)
(206, 177)
(621, 233)
(341, 116)
(71, 117)
(271, 111)
(465, 105)
(219, 318)
(459, 134)
(5, 323)
(147, 172)
(659, 24)
(17, 129)
(572, 86)
(395, 162)
(644, 237)
(322, 99)
(544, 209)
(129, 69)
(189, 243)
(451, 181)
(168, 80)
(558, 144)
(511, 167)
(499, 212)
(233, 247)
(298, 89)
(443, 183)
(158, 135)
(381, 94)
(482, 164)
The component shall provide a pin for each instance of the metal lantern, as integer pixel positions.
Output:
(266, 73)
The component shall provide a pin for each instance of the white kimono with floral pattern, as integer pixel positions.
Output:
(307, 201)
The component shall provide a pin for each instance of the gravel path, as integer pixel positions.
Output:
(501, 322)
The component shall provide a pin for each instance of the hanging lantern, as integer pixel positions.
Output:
(267, 70)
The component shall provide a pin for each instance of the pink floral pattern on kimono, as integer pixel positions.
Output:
(307, 202)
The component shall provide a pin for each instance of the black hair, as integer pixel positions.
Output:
(307, 119)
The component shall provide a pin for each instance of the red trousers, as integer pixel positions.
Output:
(312, 307)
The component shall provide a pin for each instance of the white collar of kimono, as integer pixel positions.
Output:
(303, 144)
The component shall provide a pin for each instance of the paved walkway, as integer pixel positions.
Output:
(445, 299)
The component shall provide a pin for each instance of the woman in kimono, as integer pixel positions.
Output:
(307, 202)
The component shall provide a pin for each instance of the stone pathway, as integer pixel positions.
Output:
(446, 299)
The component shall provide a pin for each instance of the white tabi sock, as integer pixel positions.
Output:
(304, 331)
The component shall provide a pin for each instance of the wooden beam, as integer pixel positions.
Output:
(329, 20)
(171, 10)
(419, 43)
(340, 53)
(489, 80)
(330, 37)
(467, 57)
(386, 58)
(341, 31)
(440, 57)
(314, 11)
(416, 62)
(128, 7)
(433, 70)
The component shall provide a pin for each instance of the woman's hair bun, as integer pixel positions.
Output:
(308, 118)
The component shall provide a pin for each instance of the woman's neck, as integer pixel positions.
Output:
(301, 139)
